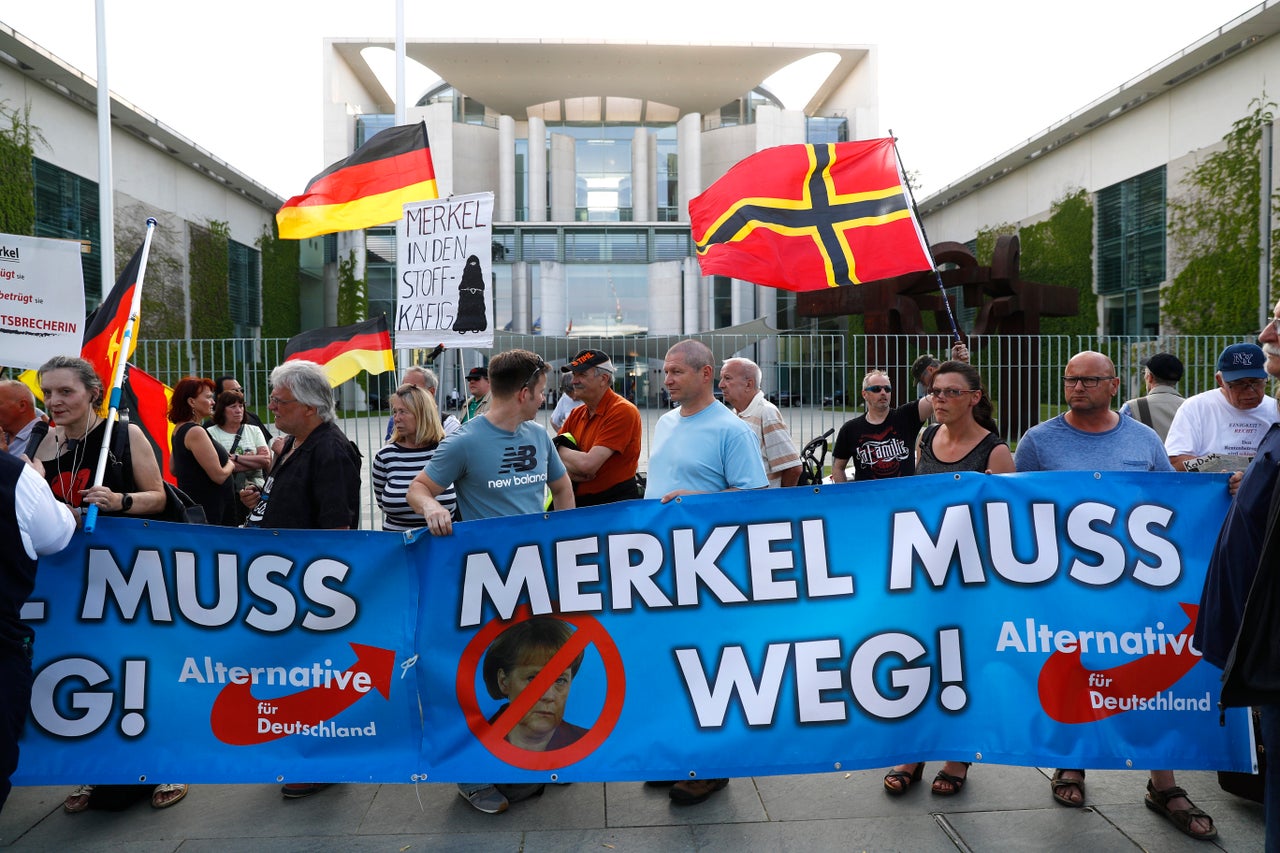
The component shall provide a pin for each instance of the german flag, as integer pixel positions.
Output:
(344, 351)
(805, 217)
(146, 399)
(368, 188)
(104, 328)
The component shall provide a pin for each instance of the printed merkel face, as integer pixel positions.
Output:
(535, 729)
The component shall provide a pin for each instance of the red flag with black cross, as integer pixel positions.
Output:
(806, 217)
(343, 351)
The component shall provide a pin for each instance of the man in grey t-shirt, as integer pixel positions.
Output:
(1089, 436)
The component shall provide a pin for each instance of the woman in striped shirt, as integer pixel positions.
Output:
(416, 434)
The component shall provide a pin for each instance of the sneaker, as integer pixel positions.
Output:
(694, 791)
(297, 790)
(518, 792)
(483, 797)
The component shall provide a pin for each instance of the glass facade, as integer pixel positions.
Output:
(67, 208)
(244, 289)
(1130, 243)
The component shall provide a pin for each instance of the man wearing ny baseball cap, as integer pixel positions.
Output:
(600, 440)
(1229, 420)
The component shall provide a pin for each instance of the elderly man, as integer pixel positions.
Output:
(34, 524)
(315, 481)
(740, 384)
(699, 447)
(18, 415)
(600, 441)
(1237, 557)
(482, 460)
(1156, 409)
(1089, 436)
(1228, 420)
(480, 400)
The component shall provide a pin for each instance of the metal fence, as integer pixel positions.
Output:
(814, 378)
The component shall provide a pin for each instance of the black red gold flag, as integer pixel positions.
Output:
(104, 327)
(805, 217)
(343, 351)
(146, 399)
(368, 188)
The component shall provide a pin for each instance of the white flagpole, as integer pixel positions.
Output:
(106, 201)
(117, 378)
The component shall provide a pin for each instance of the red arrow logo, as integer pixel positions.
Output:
(235, 718)
(1068, 690)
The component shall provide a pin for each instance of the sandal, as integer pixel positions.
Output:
(904, 779)
(1060, 787)
(77, 800)
(956, 782)
(160, 798)
(1158, 802)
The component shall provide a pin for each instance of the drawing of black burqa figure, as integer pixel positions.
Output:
(472, 316)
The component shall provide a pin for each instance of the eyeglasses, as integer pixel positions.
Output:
(537, 371)
(949, 393)
(1086, 381)
(1242, 384)
(1273, 324)
(876, 389)
(277, 401)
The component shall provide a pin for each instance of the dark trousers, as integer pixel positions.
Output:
(15, 700)
(1271, 782)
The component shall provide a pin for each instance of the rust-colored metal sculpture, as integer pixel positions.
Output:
(1007, 307)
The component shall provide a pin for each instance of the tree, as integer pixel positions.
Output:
(353, 294)
(18, 138)
(1213, 228)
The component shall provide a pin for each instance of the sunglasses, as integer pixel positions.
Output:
(876, 389)
(537, 371)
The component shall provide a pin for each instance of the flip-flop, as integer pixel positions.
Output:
(158, 801)
(1059, 787)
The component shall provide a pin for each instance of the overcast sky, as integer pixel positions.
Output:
(960, 82)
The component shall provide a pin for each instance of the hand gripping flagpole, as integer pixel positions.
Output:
(955, 330)
(117, 378)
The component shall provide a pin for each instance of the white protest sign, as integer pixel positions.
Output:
(41, 300)
(444, 263)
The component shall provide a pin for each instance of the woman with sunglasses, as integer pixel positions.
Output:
(964, 439)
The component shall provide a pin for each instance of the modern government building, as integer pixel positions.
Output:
(593, 150)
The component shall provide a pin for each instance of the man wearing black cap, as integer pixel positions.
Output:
(1161, 372)
(1229, 420)
(600, 440)
(478, 385)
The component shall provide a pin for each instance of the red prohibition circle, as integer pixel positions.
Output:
(589, 630)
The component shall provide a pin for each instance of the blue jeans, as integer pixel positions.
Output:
(1271, 793)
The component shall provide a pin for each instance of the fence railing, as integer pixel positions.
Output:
(815, 378)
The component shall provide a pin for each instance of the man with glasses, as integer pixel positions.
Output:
(881, 444)
(500, 463)
(481, 399)
(1228, 420)
(599, 441)
(1089, 436)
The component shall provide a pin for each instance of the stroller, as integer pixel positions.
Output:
(813, 460)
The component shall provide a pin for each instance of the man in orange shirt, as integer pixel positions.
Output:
(600, 440)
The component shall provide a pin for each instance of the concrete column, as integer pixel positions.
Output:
(641, 188)
(651, 179)
(537, 170)
(692, 295)
(689, 146)
(521, 299)
(505, 203)
(554, 291)
(563, 178)
(767, 349)
(666, 309)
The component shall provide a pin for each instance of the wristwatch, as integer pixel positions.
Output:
(126, 502)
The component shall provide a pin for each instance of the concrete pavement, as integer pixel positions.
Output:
(1001, 809)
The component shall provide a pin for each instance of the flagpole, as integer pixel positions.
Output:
(955, 330)
(117, 378)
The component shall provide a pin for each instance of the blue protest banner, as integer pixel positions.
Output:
(1040, 619)
(189, 653)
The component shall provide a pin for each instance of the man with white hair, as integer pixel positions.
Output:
(740, 384)
(1228, 420)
